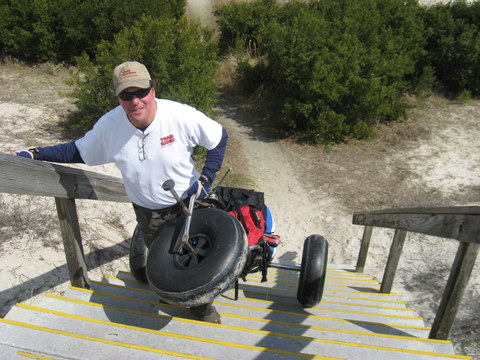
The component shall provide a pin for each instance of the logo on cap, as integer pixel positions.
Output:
(127, 73)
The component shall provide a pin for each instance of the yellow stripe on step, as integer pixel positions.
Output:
(242, 285)
(89, 338)
(336, 310)
(231, 297)
(34, 356)
(329, 288)
(290, 283)
(328, 279)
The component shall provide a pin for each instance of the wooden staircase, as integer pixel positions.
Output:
(120, 318)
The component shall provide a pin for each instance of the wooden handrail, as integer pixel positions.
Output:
(460, 223)
(29, 177)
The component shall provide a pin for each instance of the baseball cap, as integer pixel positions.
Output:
(130, 74)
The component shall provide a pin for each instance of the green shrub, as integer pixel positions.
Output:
(27, 29)
(241, 23)
(59, 30)
(179, 55)
(454, 45)
(334, 69)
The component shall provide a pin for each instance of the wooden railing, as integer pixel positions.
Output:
(459, 223)
(29, 177)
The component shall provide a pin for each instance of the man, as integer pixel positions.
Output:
(150, 140)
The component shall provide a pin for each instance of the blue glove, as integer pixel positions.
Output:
(204, 192)
(25, 154)
(31, 153)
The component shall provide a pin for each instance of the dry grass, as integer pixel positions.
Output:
(427, 282)
(28, 216)
(225, 75)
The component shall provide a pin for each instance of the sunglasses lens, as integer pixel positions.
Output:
(142, 93)
(128, 95)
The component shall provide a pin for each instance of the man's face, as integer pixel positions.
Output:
(141, 108)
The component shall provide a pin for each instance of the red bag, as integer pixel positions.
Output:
(253, 222)
(249, 208)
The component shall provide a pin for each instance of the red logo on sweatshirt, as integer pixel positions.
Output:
(167, 140)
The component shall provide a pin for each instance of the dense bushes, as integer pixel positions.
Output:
(98, 35)
(179, 55)
(241, 23)
(58, 30)
(335, 68)
(328, 70)
(454, 45)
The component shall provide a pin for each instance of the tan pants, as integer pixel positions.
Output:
(152, 221)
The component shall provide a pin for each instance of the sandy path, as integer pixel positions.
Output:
(298, 212)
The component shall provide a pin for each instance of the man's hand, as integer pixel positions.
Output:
(28, 153)
(204, 180)
(205, 183)
(23, 153)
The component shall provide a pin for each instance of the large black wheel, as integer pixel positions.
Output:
(184, 278)
(138, 256)
(312, 270)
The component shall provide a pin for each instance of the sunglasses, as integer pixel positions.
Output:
(141, 147)
(140, 93)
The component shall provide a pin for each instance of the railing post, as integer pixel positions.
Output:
(457, 282)
(392, 262)
(362, 255)
(72, 242)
